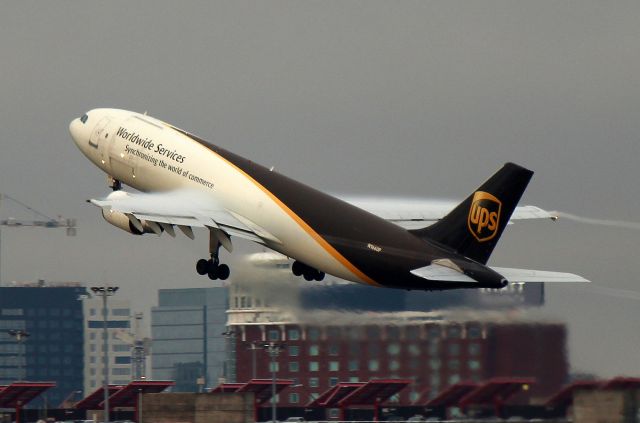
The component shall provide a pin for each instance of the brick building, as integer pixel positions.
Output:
(433, 353)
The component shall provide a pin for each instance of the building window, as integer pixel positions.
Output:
(92, 336)
(294, 398)
(313, 382)
(374, 350)
(274, 366)
(434, 332)
(434, 348)
(393, 349)
(354, 379)
(414, 349)
(314, 334)
(454, 349)
(294, 366)
(412, 333)
(454, 332)
(474, 332)
(373, 332)
(294, 350)
(353, 365)
(313, 350)
(274, 335)
(334, 366)
(453, 379)
(333, 381)
(121, 372)
(123, 360)
(374, 365)
(435, 364)
(120, 312)
(354, 349)
(394, 365)
(334, 349)
(435, 381)
(393, 333)
(474, 349)
(92, 311)
(454, 365)
(474, 365)
(314, 366)
(294, 334)
(111, 324)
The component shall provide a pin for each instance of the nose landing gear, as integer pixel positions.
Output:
(307, 272)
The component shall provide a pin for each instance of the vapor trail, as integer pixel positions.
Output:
(601, 222)
(615, 292)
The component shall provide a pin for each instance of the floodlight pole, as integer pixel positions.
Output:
(21, 336)
(274, 351)
(105, 292)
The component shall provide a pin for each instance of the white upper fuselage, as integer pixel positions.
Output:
(150, 155)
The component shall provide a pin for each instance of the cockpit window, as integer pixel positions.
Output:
(84, 118)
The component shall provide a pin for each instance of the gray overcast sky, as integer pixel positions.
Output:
(419, 99)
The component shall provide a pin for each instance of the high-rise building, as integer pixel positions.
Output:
(52, 316)
(187, 330)
(119, 318)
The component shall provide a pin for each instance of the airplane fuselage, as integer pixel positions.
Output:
(296, 220)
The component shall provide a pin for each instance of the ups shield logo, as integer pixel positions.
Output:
(484, 216)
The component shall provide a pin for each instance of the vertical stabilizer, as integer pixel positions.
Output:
(474, 227)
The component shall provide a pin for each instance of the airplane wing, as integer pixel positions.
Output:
(185, 209)
(444, 270)
(418, 213)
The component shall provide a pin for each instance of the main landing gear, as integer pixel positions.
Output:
(212, 267)
(308, 272)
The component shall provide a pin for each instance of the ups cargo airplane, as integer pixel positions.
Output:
(187, 182)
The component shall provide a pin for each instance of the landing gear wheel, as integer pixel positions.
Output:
(202, 266)
(308, 276)
(297, 268)
(319, 276)
(223, 272)
(213, 271)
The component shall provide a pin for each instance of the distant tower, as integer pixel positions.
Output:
(139, 351)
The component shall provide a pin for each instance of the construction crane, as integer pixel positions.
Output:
(44, 221)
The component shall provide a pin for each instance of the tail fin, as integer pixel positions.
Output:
(474, 227)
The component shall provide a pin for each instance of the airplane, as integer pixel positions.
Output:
(186, 182)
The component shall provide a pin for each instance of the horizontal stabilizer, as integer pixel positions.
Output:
(435, 272)
(526, 275)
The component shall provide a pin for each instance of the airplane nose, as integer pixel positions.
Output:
(75, 129)
(80, 132)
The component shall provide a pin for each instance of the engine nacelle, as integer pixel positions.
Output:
(120, 220)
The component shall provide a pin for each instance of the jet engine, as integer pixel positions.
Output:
(121, 221)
